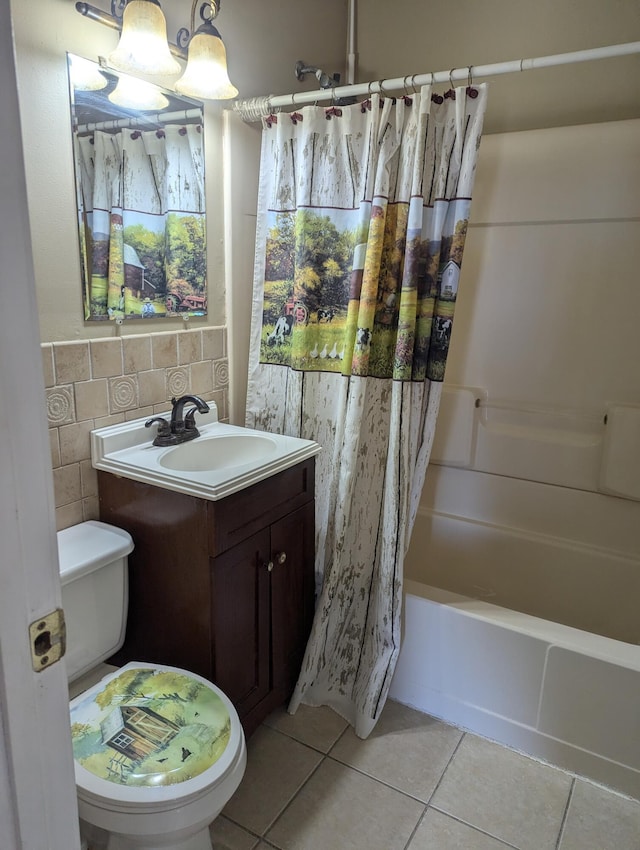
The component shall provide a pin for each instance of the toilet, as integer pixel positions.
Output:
(158, 751)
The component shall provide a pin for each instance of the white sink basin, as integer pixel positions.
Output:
(221, 461)
(227, 450)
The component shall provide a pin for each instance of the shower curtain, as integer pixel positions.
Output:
(362, 217)
(141, 209)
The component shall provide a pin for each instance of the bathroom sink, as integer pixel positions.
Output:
(222, 460)
(220, 452)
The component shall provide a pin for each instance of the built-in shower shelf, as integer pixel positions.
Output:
(526, 440)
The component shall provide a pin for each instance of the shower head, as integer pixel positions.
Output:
(324, 80)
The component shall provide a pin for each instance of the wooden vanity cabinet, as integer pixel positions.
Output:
(224, 589)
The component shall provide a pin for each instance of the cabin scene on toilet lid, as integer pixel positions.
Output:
(150, 727)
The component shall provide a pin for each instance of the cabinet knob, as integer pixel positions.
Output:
(281, 557)
(269, 566)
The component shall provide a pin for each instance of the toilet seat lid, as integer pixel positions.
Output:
(152, 728)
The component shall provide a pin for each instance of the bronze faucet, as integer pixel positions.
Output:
(181, 428)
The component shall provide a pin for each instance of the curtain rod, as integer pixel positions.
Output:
(256, 107)
(157, 118)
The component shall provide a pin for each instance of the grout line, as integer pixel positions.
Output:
(476, 828)
(289, 802)
(280, 812)
(439, 782)
(448, 814)
(394, 787)
(257, 838)
(241, 826)
(565, 814)
(415, 828)
(339, 738)
(375, 779)
(304, 743)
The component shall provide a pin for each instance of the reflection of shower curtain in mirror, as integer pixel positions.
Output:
(142, 222)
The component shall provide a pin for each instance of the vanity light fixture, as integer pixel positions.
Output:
(132, 93)
(85, 76)
(206, 76)
(143, 47)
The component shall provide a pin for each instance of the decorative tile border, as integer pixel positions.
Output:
(123, 393)
(178, 381)
(60, 406)
(221, 373)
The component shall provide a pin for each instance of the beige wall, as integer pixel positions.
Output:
(414, 37)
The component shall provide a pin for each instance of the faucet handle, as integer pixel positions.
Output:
(190, 422)
(164, 429)
(190, 419)
(163, 437)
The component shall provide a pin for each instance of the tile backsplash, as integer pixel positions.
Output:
(98, 382)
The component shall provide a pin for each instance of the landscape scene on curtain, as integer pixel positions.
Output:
(341, 294)
(146, 266)
(154, 727)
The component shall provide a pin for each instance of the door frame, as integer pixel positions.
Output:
(38, 807)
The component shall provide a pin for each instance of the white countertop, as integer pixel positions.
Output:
(127, 450)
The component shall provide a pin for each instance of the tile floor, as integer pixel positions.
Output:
(415, 784)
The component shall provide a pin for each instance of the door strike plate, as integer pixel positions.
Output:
(48, 639)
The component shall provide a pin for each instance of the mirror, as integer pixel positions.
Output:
(139, 168)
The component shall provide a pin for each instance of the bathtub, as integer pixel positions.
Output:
(565, 694)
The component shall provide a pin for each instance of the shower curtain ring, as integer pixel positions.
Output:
(407, 95)
(366, 104)
(273, 110)
(381, 88)
(471, 91)
(413, 83)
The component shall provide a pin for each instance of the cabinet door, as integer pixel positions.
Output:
(240, 614)
(292, 592)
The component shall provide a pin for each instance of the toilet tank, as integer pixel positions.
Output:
(93, 575)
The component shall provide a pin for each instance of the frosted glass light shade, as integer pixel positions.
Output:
(138, 94)
(143, 46)
(85, 75)
(206, 76)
